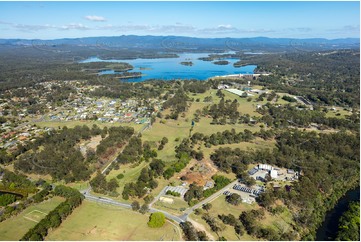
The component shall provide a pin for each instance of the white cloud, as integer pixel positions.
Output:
(224, 26)
(76, 26)
(95, 18)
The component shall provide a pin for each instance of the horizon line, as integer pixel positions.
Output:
(100, 36)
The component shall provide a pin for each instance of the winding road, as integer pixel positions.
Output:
(178, 219)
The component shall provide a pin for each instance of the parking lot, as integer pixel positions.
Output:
(248, 194)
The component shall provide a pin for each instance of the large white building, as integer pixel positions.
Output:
(265, 167)
(273, 174)
(238, 92)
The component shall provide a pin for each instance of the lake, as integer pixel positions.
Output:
(170, 68)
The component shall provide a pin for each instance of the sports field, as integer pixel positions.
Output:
(93, 221)
(14, 228)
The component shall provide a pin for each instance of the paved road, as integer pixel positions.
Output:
(126, 205)
(158, 196)
(178, 219)
(207, 200)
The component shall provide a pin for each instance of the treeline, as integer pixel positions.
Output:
(132, 152)
(111, 87)
(117, 136)
(13, 210)
(58, 156)
(191, 234)
(196, 86)
(56, 153)
(82, 132)
(100, 185)
(53, 220)
(349, 224)
(327, 162)
(287, 115)
(16, 183)
(228, 137)
(224, 110)
(251, 219)
(184, 153)
(177, 104)
(21, 186)
(146, 180)
(331, 78)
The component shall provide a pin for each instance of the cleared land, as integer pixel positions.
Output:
(14, 228)
(93, 221)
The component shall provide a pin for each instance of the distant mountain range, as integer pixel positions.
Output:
(180, 43)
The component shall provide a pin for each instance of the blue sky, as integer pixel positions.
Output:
(50, 20)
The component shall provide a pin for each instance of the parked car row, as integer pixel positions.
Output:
(248, 190)
(227, 193)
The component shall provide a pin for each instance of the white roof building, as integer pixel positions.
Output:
(238, 92)
(265, 167)
(273, 174)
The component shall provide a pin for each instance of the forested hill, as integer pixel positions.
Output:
(181, 43)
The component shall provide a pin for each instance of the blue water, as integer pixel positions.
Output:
(170, 68)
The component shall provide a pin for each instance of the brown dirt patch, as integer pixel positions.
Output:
(199, 172)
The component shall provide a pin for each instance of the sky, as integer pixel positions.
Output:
(52, 20)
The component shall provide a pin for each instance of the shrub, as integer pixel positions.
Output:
(120, 176)
(156, 220)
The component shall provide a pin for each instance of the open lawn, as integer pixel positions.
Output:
(174, 208)
(131, 174)
(338, 113)
(258, 143)
(14, 228)
(204, 126)
(93, 221)
(220, 206)
(171, 130)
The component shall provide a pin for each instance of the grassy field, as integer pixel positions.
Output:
(174, 208)
(220, 206)
(171, 129)
(258, 143)
(339, 111)
(14, 228)
(92, 221)
(279, 222)
(131, 174)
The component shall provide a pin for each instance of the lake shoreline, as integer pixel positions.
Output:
(171, 69)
